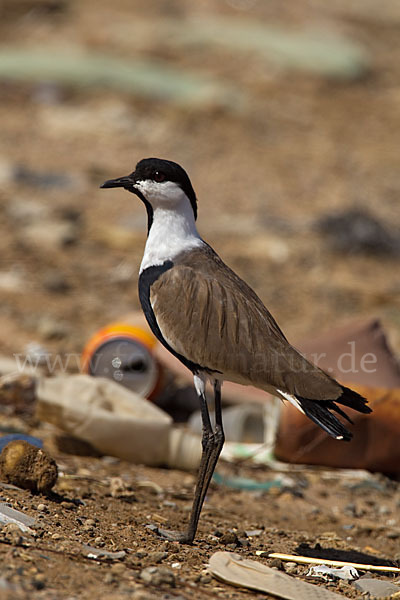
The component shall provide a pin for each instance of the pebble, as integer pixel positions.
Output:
(13, 533)
(90, 522)
(41, 507)
(231, 546)
(157, 557)
(244, 542)
(376, 588)
(291, 568)
(277, 564)
(158, 576)
(229, 537)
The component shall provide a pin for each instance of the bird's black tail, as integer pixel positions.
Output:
(319, 411)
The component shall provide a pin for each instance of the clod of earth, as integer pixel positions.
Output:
(28, 467)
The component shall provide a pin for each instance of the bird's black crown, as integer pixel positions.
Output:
(160, 169)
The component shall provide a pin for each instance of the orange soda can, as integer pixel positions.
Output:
(124, 353)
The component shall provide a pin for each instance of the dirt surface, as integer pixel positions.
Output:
(307, 146)
(109, 504)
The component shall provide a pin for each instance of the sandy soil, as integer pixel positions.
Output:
(349, 519)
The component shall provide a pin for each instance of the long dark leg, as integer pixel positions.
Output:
(212, 442)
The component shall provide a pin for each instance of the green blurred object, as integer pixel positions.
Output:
(315, 50)
(149, 79)
(243, 483)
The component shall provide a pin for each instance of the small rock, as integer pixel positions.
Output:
(12, 533)
(243, 542)
(158, 576)
(98, 554)
(291, 568)
(277, 564)
(41, 507)
(90, 522)
(28, 467)
(157, 557)
(229, 537)
(376, 588)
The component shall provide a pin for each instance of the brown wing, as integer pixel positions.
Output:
(213, 318)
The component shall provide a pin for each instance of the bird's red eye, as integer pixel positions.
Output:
(159, 176)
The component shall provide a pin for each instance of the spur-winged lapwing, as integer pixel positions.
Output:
(214, 323)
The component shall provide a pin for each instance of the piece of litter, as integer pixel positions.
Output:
(253, 532)
(98, 553)
(234, 570)
(10, 515)
(325, 572)
(11, 437)
(332, 563)
(244, 483)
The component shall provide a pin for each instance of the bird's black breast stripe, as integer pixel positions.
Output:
(146, 280)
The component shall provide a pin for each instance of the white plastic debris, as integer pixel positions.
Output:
(116, 421)
(325, 572)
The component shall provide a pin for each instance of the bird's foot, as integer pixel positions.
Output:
(175, 536)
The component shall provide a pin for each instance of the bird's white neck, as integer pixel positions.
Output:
(173, 231)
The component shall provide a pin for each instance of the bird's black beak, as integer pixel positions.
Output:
(127, 182)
